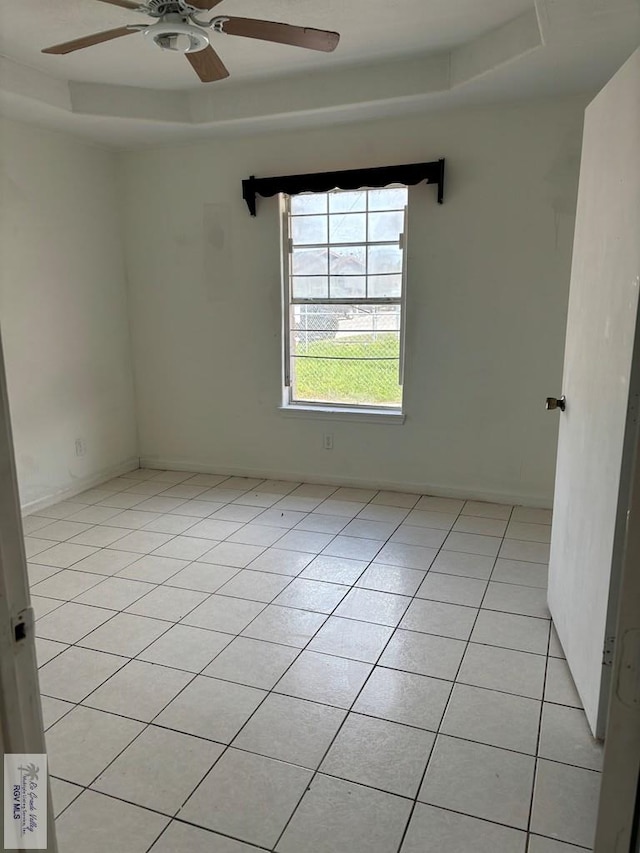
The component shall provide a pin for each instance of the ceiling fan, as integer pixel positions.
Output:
(177, 28)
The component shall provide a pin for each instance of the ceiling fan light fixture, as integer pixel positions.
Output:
(178, 30)
(177, 36)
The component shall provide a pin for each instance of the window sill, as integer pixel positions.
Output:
(340, 413)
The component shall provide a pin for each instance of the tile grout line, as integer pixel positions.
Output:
(259, 846)
(352, 586)
(350, 710)
(172, 623)
(211, 516)
(437, 732)
(534, 781)
(272, 691)
(120, 669)
(233, 501)
(455, 681)
(292, 578)
(195, 675)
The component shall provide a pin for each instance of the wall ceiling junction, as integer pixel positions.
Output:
(395, 57)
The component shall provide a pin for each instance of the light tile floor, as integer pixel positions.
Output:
(237, 665)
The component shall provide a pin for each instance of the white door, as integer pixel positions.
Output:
(21, 727)
(601, 384)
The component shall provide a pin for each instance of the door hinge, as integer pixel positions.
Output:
(608, 651)
(22, 625)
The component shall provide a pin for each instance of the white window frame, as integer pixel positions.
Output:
(358, 412)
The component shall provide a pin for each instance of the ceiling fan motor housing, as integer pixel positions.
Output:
(173, 33)
(160, 8)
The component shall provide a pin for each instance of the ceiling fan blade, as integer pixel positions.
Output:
(205, 5)
(88, 41)
(207, 65)
(281, 33)
(126, 4)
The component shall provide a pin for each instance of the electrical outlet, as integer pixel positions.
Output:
(327, 441)
(81, 447)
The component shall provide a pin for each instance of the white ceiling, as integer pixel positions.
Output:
(394, 57)
(370, 29)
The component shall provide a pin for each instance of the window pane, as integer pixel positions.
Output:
(386, 226)
(309, 287)
(309, 229)
(347, 202)
(385, 286)
(315, 323)
(309, 203)
(309, 261)
(372, 320)
(352, 325)
(357, 383)
(348, 227)
(389, 198)
(348, 286)
(347, 260)
(356, 366)
(385, 259)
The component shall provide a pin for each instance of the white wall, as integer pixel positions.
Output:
(63, 311)
(488, 284)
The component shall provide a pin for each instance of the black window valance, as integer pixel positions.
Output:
(350, 179)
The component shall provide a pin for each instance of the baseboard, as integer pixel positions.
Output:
(468, 492)
(81, 485)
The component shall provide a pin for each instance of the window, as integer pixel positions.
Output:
(344, 271)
